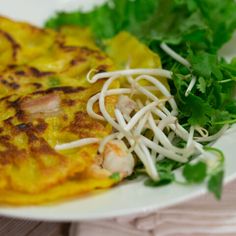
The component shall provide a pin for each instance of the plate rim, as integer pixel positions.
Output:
(17, 213)
(115, 213)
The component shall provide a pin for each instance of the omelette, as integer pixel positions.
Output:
(43, 97)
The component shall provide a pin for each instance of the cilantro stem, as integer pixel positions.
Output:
(213, 149)
(225, 81)
(185, 125)
(225, 122)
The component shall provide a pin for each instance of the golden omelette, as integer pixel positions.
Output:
(43, 97)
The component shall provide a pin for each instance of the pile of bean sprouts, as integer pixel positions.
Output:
(158, 114)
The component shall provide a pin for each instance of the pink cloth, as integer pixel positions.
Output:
(202, 216)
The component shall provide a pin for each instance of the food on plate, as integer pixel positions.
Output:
(96, 102)
(48, 139)
(165, 126)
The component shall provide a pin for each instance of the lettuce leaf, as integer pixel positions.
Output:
(206, 24)
(109, 19)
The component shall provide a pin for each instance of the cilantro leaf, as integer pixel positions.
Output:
(211, 97)
(166, 175)
(216, 175)
(195, 173)
(205, 65)
(215, 183)
(162, 182)
(201, 85)
(197, 110)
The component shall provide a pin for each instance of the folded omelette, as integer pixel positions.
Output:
(43, 97)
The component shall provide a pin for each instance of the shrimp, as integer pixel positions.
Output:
(114, 159)
(117, 159)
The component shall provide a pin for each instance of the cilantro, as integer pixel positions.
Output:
(133, 176)
(231, 108)
(219, 153)
(53, 81)
(195, 173)
(215, 183)
(205, 65)
(136, 173)
(216, 176)
(211, 97)
(166, 175)
(115, 176)
(159, 183)
(201, 85)
(197, 110)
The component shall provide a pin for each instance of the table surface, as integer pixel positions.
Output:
(15, 227)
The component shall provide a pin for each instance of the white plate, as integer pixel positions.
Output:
(128, 198)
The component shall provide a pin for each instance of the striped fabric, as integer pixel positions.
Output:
(202, 216)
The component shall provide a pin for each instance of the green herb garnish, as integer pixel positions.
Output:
(115, 176)
(215, 183)
(53, 82)
(195, 173)
(196, 30)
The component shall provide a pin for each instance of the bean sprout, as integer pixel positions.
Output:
(191, 85)
(203, 132)
(213, 137)
(148, 112)
(102, 106)
(174, 55)
(166, 152)
(182, 61)
(140, 114)
(162, 88)
(76, 144)
(154, 72)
